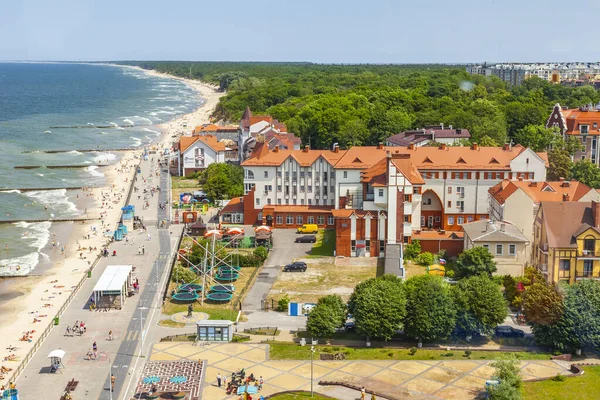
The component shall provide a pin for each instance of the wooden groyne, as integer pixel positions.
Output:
(80, 150)
(22, 190)
(14, 221)
(92, 126)
(59, 166)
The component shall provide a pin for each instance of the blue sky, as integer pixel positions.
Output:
(330, 31)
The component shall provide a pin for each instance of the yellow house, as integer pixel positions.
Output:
(566, 241)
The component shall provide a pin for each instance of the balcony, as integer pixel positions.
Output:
(544, 267)
(544, 248)
(587, 275)
(588, 254)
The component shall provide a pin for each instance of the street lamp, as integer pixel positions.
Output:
(312, 352)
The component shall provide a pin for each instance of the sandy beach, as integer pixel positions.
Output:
(30, 303)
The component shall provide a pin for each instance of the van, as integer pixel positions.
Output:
(308, 228)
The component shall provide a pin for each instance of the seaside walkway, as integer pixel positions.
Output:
(124, 355)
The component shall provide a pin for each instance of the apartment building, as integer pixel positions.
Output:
(432, 133)
(515, 73)
(566, 244)
(403, 192)
(582, 123)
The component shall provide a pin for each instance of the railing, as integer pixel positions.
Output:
(564, 274)
(588, 274)
(587, 253)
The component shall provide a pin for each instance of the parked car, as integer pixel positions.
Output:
(509, 331)
(296, 266)
(308, 228)
(306, 239)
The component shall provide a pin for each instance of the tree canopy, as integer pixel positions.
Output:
(222, 181)
(475, 261)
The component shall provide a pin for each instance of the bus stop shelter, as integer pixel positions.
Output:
(112, 287)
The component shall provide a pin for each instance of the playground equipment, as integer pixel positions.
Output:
(227, 276)
(186, 287)
(219, 296)
(223, 288)
(185, 296)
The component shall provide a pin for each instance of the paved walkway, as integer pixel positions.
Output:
(415, 379)
(120, 356)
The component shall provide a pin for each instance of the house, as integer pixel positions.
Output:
(566, 241)
(379, 196)
(517, 202)
(196, 153)
(422, 137)
(233, 212)
(582, 123)
(503, 240)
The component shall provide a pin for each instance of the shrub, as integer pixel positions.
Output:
(327, 350)
(425, 259)
(391, 354)
(449, 273)
(412, 351)
(261, 253)
(468, 353)
(180, 273)
(248, 261)
(559, 378)
(282, 304)
(412, 250)
(448, 354)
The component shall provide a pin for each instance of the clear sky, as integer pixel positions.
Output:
(329, 31)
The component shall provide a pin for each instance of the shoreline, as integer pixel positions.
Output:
(40, 295)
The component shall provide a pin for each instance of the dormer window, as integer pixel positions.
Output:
(584, 129)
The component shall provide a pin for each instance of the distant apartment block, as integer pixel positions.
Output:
(575, 74)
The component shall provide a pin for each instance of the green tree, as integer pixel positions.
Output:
(183, 274)
(536, 137)
(560, 164)
(430, 309)
(542, 304)
(586, 172)
(222, 181)
(322, 321)
(480, 305)
(261, 253)
(338, 308)
(506, 370)
(475, 261)
(412, 250)
(378, 306)
(425, 259)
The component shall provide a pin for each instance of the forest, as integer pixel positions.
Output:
(365, 104)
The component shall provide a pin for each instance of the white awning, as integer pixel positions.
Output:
(57, 353)
(113, 278)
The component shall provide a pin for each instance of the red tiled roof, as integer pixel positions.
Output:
(437, 235)
(211, 141)
(346, 213)
(235, 205)
(304, 157)
(540, 191)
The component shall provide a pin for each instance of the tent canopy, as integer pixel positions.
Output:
(113, 278)
(57, 353)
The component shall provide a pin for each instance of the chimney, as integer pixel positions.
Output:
(410, 147)
(533, 184)
(442, 146)
(336, 148)
(596, 213)
(450, 127)
(506, 146)
(380, 146)
(442, 125)
(565, 184)
(561, 179)
(276, 150)
(474, 146)
(306, 148)
(502, 227)
(565, 196)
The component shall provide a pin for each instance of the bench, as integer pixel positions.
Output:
(72, 385)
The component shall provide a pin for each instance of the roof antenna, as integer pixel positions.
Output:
(334, 146)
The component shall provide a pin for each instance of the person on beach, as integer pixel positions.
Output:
(95, 346)
(112, 382)
(110, 335)
(143, 250)
(219, 379)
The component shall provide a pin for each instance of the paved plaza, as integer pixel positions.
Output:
(415, 379)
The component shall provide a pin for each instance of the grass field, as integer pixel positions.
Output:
(292, 351)
(585, 387)
(413, 269)
(298, 396)
(170, 323)
(325, 244)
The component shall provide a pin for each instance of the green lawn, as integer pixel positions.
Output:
(325, 244)
(298, 396)
(214, 313)
(582, 387)
(180, 182)
(293, 351)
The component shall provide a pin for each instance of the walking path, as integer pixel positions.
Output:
(120, 356)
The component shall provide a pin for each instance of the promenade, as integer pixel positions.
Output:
(124, 355)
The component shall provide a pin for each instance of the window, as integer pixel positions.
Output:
(499, 249)
(353, 245)
(465, 175)
(450, 220)
(301, 201)
(310, 220)
(279, 188)
(320, 220)
(279, 174)
(422, 220)
(330, 220)
(449, 189)
(460, 191)
(279, 201)
(289, 219)
(438, 218)
(332, 174)
(268, 201)
(406, 239)
(460, 220)
(381, 246)
(367, 245)
(407, 218)
(470, 218)
(345, 174)
(309, 189)
(407, 197)
(279, 219)
(449, 204)
(486, 246)
(332, 189)
(584, 129)
(512, 249)
(309, 174)
(249, 174)
(309, 202)
(460, 205)
(287, 201)
(588, 267)
(248, 187)
(266, 174)
(294, 202)
(416, 190)
(317, 201)
(302, 174)
(595, 125)
(301, 189)
(380, 192)
(299, 219)
(583, 139)
(258, 202)
(589, 244)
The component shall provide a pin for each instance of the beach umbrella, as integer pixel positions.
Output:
(262, 228)
(213, 232)
(235, 231)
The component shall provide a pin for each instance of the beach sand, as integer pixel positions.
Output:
(39, 297)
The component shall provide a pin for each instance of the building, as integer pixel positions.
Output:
(566, 241)
(196, 153)
(378, 196)
(515, 73)
(582, 123)
(504, 241)
(517, 202)
(422, 137)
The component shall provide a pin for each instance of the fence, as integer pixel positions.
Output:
(263, 330)
(173, 262)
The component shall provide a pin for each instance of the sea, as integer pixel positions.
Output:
(46, 106)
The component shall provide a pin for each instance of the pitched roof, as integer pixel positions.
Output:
(437, 235)
(563, 219)
(576, 117)
(258, 118)
(346, 213)
(211, 141)
(540, 191)
(186, 141)
(304, 157)
(406, 167)
(428, 133)
(488, 231)
(245, 121)
(235, 205)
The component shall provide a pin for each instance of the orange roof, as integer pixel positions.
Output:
(298, 209)
(575, 118)
(211, 141)
(376, 175)
(346, 213)
(540, 191)
(235, 205)
(257, 118)
(361, 157)
(276, 157)
(437, 235)
(406, 167)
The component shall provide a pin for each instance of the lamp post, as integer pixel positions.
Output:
(312, 352)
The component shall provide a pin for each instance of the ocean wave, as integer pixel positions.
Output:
(74, 153)
(25, 263)
(90, 124)
(92, 169)
(113, 124)
(104, 158)
(120, 128)
(38, 174)
(10, 191)
(56, 200)
(149, 139)
(128, 121)
(157, 133)
(166, 112)
(103, 133)
(47, 131)
(136, 141)
(137, 120)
